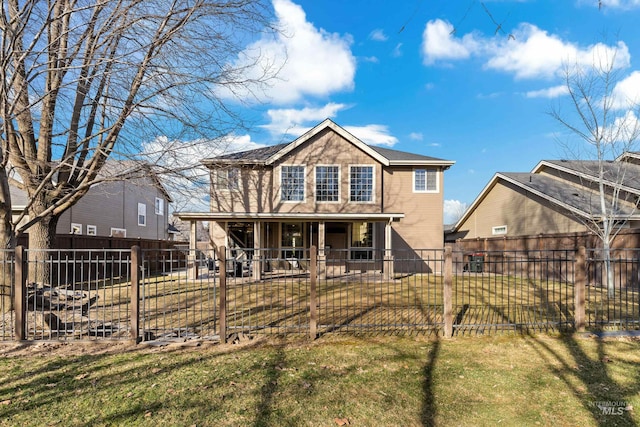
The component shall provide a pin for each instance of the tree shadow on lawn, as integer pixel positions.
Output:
(64, 378)
(598, 393)
(429, 409)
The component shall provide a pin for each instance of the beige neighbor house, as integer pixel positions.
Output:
(130, 202)
(557, 196)
(329, 189)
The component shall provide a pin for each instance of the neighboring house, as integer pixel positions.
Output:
(326, 188)
(558, 196)
(129, 202)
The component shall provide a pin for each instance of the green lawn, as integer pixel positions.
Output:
(367, 381)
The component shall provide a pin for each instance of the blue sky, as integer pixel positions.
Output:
(461, 80)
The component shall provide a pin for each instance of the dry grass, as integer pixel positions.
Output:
(372, 381)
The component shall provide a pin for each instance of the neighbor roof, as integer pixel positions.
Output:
(614, 172)
(269, 155)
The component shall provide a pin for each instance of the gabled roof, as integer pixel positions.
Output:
(577, 199)
(270, 155)
(624, 174)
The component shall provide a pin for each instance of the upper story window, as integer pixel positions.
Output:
(292, 183)
(228, 179)
(361, 183)
(425, 181)
(142, 214)
(159, 206)
(327, 183)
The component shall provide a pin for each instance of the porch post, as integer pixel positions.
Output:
(322, 257)
(257, 253)
(388, 255)
(192, 262)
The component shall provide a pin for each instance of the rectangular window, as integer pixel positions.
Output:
(76, 228)
(292, 183)
(361, 184)
(425, 181)
(118, 232)
(92, 230)
(159, 206)
(361, 240)
(501, 229)
(292, 240)
(228, 179)
(327, 183)
(142, 214)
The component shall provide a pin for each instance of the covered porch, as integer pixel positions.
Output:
(343, 240)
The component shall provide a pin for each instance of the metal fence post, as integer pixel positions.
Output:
(222, 261)
(20, 290)
(447, 294)
(136, 264)
(313, 302)
(580, 287)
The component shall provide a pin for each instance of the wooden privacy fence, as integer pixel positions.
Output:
(138, 295)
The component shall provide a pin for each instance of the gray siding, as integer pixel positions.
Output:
(115, 205)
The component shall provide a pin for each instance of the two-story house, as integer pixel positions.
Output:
(128, 200)
(326, 188)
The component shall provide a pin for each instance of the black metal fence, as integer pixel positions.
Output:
(162, 295)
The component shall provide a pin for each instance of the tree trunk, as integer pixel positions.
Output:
(7, 244)
(41, 238)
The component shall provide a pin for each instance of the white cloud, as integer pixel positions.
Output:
(551, 92)
(373, 134)
(416, 136)
(179, 167)
(624, 130)
(440, 43)
(453, 211)
(536, 54)
(311, 61)
(626, 93)
(397, 51)
(295, 122)
(378, 35)
(289, 121)
(528, 53)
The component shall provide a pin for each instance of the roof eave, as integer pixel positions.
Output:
(446, 164)
(327, 123)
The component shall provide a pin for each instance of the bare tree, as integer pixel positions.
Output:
(82, 81)
(605, 120)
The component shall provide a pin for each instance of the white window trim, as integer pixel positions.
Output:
(142, 212)
(222, 174)
(76, 228)
(315, 184)
(304, 184)
(498, 230)
(92, 230)
(115, 229)
(437, 190)
(161, 210)
(373, 184)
